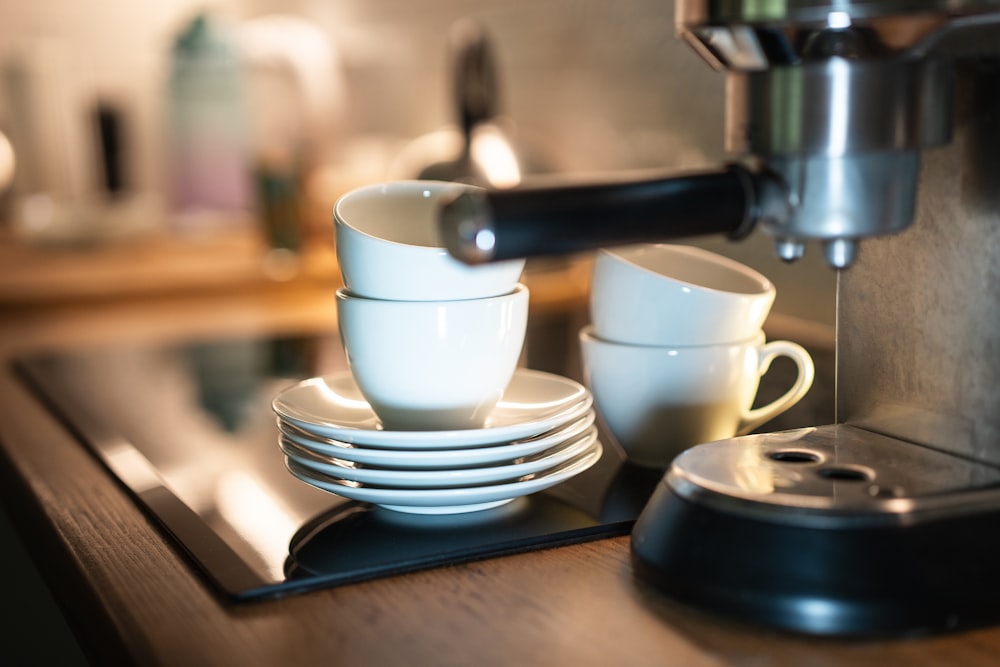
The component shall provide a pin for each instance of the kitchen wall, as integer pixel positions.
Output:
(590, 86)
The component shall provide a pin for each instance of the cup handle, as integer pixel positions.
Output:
(807, 372)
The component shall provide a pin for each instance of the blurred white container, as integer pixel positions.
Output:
(210, 177)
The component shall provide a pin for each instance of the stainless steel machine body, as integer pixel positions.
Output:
(833, 105)
(844, 100)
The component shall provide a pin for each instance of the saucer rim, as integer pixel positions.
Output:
(454, 497)
(452, 458)
(575, 400)
(558, 454)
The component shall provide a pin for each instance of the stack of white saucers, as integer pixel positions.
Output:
(540, 434)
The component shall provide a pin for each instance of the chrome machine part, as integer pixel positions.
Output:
(836, 476)
(829, 104)
(838, 100)
(851, 168)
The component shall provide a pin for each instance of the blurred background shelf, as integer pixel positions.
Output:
(158, 264)
(240, 262)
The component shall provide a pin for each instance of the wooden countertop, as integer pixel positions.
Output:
(132, 597)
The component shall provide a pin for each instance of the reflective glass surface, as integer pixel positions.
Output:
(189, 430)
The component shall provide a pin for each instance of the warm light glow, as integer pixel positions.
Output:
(336, 399)
(7, 163)
(840, 104)
(485, 239)
(750, 475)
(128, 463)
(838, 20)
(493, 153)
(256, 511)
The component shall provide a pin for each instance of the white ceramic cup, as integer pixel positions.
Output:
(433, 365)
(389, 247)
(661, 294)
(660, 400)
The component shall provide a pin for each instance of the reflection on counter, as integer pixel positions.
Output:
(189, 430)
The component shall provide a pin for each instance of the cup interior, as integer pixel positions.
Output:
(695, 267)
(402, 212)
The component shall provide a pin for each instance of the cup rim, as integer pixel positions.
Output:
(586, 334)
(622, 254)
(344, 294)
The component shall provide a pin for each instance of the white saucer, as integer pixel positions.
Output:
(426, 479)
(333, 407)
(449, 501)
(438, 459)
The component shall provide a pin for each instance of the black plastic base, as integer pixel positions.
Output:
(930, 577)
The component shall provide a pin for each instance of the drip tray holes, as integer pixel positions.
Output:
(794, 456)
(833, 473)
(846, 474)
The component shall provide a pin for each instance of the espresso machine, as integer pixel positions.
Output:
(868, 131)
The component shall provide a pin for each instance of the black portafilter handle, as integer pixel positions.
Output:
(493, 225)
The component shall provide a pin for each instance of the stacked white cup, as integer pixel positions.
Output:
(431, 342)
(675, 349)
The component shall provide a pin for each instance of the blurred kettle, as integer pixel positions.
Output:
(479, 150)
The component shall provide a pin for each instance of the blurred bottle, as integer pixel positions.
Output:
(278, 201)
(210, 176)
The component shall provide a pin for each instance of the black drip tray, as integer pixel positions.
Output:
(188, 430)
(353, 539)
